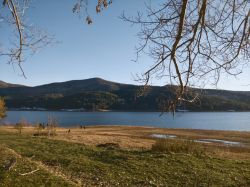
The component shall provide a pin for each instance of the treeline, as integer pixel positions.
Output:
(96, 94)
(127, 101)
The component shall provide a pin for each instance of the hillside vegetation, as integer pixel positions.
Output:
(94, 94)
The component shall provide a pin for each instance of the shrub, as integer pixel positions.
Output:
(39, 129)
(2, 108)
(51, 126)
(20, 125)
(109, 146)
(178, 146)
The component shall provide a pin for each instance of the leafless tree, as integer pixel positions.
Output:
(193, 42)
(20, 125)
(81, 8)
(25, 38)
(52, 125)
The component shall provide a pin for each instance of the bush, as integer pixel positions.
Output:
(20, 125)
(51, 126)
(39, 130)
(178, 146)
(2, 108)
(109, 146)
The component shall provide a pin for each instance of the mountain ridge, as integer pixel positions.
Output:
(9, 85)
(96, 79)
(97, 93)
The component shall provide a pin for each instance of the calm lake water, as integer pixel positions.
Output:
(192, 120)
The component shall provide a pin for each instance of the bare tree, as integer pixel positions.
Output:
(193, 42)
(52, 125)
(20, 125)
(81, 8)
(25, 38)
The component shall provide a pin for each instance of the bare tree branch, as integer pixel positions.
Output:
(26, 39)
(193, 41)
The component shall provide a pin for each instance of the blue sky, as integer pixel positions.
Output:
(104, 49)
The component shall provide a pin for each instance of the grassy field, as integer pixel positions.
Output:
(41, 161)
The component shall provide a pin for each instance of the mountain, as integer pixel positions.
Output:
(8, 85)
(96, 94)
(65, 88)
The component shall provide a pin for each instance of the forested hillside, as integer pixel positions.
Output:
(99, 94)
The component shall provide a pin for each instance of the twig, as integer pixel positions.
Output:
(23, 174)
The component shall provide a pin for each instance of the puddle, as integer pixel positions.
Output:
(225, 142)
(218, 141)
(166, 136)
(201, 141)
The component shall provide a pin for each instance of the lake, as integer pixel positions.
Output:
(191, 120)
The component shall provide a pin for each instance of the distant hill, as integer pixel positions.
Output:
(98, 94)
(8, 85)
(65, 88)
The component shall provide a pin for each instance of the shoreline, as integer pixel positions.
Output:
(140, 136)
(76, 126)
(104, 110)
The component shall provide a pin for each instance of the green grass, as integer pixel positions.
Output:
(14, 178)
(96, 166)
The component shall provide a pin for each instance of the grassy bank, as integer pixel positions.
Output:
(40, 161)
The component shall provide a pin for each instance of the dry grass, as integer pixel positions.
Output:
(61, 163)
(109, 159)
(138, 138)
(178, 146)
